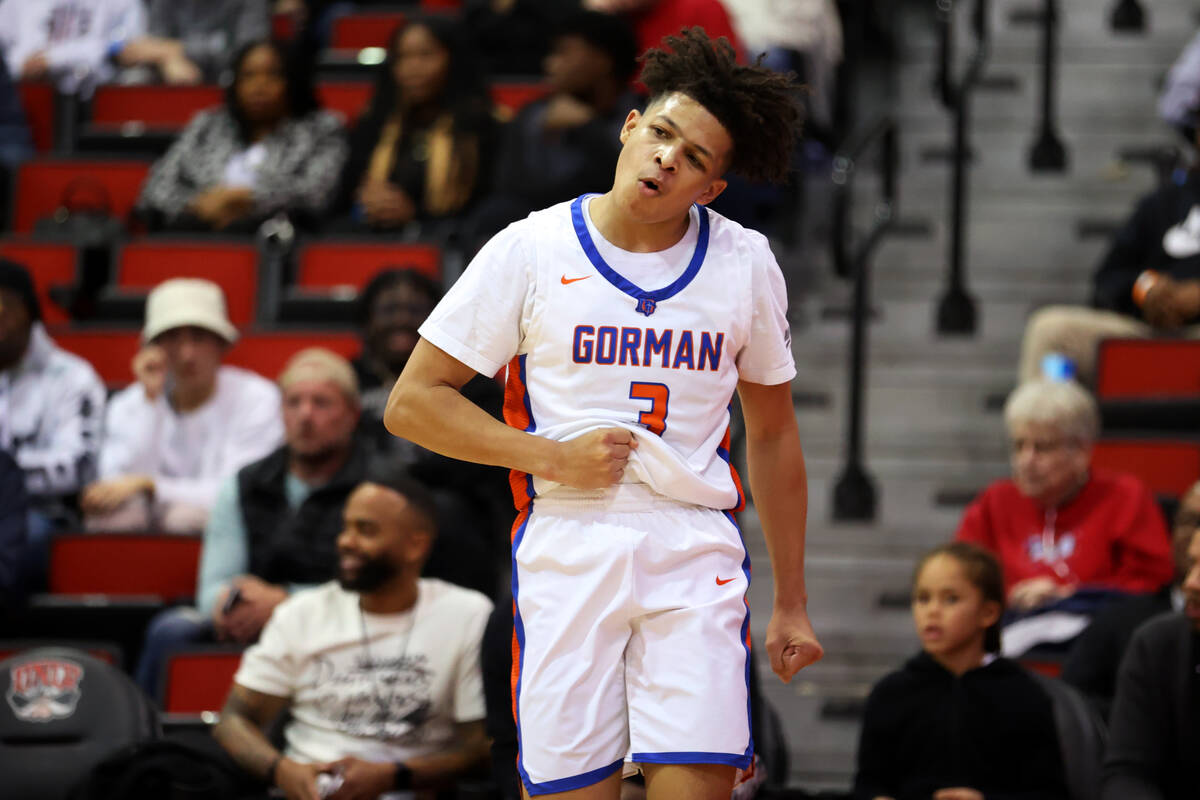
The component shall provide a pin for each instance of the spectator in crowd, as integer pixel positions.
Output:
(653, 20)
(1095, 658)
(512, 36)
(51, 416)
(1180, 99)
(957, 721)
(1154, 730)
(15, 143)
(1058, 525)
(379, 671)
(423, 151)
(274, 525)
(566, 144)
(474, 500)
(75, 43)
(269, 149)
(189, 41)
(187, 424)
(14, 510)
(1147, 285)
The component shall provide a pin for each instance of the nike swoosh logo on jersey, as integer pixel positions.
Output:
(723, 582)
(566, 280)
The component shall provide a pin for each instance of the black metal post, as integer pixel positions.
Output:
(1128, 17)
(1048, 153)
(854, 493)
(956, 313)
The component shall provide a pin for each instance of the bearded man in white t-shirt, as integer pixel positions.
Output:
(626, 322)
(379, 669)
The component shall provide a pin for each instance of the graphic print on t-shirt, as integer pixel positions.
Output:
(384, 698)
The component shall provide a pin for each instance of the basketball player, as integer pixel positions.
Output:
(629, 572)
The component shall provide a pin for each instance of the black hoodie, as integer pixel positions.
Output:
(992, 730)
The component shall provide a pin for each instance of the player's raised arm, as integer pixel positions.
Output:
(426, 407)
(780, 489)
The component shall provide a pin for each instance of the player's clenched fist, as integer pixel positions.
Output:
(595, 460)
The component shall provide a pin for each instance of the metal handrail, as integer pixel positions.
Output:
(854, 496)
(1048, 153)
(956, 308)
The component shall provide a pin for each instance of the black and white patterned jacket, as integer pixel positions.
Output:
(299, 173)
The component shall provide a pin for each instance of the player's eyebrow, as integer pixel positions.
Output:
(703, 151)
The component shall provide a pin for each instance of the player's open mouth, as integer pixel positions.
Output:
(649, 186)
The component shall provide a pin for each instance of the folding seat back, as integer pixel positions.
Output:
(329, 264)
(1166, 466)
(37, 101)
(198, 678)
(125, 564)
(161, 107)
(45, 185)
(268, 353)
(357, 30)
(109, 351)
(231, 265)
(1133, 368)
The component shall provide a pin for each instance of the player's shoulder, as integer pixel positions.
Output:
(528, 235)
(727, 236)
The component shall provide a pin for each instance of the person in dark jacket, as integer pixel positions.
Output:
(1147, 285)
(274, 526)
(1095, 658)
(422, 153)
(567, 143)
(1154, 729)
(14, 511)
(957, 722)
(475, 500)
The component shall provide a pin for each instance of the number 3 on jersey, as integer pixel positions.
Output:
(658, 394)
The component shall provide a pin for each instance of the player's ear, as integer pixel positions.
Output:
(712, 192)
(631, 122)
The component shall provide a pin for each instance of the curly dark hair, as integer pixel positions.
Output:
(756, 105)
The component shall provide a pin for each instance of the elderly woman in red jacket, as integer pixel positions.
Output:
(1057, 524)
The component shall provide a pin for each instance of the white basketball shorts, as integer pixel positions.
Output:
(631, 636)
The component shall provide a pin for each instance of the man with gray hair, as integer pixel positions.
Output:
(1058, 525)
(274, 525)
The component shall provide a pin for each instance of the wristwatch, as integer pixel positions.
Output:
(404, 777)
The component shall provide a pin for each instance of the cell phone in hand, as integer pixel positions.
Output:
(231, 600)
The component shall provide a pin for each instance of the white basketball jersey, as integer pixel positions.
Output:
(587, 347)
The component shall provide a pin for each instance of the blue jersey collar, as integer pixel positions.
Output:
(647, 300)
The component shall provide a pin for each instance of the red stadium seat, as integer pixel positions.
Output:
(325, 265)
(510, 98)
(197, 679)
(1144, 368)
(349, 98)
(50, 264)
(231, 265)
(41, 186)
(109, 351)
(267, 352)
(1167, 467)
(160, 107)
(441, 5)
(357, 30)
(125, 564)
(37, 101)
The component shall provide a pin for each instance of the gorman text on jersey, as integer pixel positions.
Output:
(647, 347)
